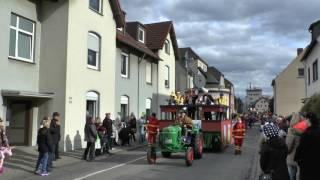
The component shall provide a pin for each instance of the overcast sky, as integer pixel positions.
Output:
(248, 40)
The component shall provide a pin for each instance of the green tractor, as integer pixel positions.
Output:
(177, 139)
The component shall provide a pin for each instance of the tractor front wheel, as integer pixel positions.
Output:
(198, 147)
(189, 156)
(151, 155)
(166, 154)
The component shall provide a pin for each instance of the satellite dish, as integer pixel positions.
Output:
(199, 81)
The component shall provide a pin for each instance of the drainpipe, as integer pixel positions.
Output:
(139, 61)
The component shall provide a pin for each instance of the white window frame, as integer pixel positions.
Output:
(17, 29)
(98, 53)
(147, 80)
(167, 76)
(100, 7)
(143, 35)
(95, 97)
(127, 65)
(167, 46)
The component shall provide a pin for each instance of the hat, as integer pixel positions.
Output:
(271, 130)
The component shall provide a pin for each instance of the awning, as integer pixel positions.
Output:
(26, 94)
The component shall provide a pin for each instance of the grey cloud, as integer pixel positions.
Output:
(248, 40)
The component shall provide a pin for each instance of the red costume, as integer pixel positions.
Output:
(238, 135)
(152, 128)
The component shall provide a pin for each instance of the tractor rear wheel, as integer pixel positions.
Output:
(189, 156)
(198, 146)
(151, 155)
(166, 154)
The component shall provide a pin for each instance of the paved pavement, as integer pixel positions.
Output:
(132, 165)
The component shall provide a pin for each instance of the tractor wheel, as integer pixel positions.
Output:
(189, 156)
(151, 155)
(166, 154)
(198, 147)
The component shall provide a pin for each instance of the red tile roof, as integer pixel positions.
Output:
(118, 14)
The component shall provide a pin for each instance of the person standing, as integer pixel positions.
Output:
(307, 154)
(90, 133)
(107, 123)
(141, 128)
(238, 135)
(45, 146)
(152, 128)
(273, 154)
(56, 134)
(292, 141)
(133, 126)
(4, 145)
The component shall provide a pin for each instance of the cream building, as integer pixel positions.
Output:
(57, 56)
(289, 87)
(262, 105)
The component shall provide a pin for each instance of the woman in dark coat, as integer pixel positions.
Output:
(274, 151)
(308, 151)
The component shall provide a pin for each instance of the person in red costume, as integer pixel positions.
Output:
(152, 128)
(238, 135)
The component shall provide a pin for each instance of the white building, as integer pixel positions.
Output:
(262, 105)
(311, 61)
(253, 94)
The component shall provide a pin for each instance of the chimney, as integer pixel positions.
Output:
(299, 51)
(314, 29)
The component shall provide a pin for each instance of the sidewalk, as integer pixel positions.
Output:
(24, 159)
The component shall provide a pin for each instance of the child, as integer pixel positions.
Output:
(4, 145)
(44, 142)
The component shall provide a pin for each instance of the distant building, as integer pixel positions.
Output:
(289, 87)
(311, 60)
(253, 94)
(262, 105)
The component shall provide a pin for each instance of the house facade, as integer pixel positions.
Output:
(252, 95)
(292, 77)
(72, 73)
(262, 105)
(311, 60)
(136, 75)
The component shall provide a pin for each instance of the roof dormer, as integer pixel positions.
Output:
(137, 31)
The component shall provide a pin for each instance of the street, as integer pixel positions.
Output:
(132, 165)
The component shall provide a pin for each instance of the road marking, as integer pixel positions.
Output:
(105, 170)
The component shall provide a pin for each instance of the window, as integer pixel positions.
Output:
(124, 65)
(124, 108)
(22, 32)
(167, 76)
(93, 51)
(141, 35)
(148, 106)
(96, 5)
(92, 104)
(301, 72)
(315, 70)
(149, 73)
(167, 46)
(309, 76)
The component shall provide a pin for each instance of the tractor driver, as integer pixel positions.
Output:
(184, 121)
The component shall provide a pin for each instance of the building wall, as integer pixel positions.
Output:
(170, 61)
(181, 77)
(79, 78)
(289, 89)
(137, 90)
(53, 59)
(262, 106)
(15, 74)
(314, 87)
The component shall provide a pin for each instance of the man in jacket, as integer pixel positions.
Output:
(107, 123)
(56, 134)
(152, 127)
(90, 135)
(307, 153)
(238, 135)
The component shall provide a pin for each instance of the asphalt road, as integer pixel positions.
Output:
(132, 165)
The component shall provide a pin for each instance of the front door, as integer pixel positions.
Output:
(19, 117)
